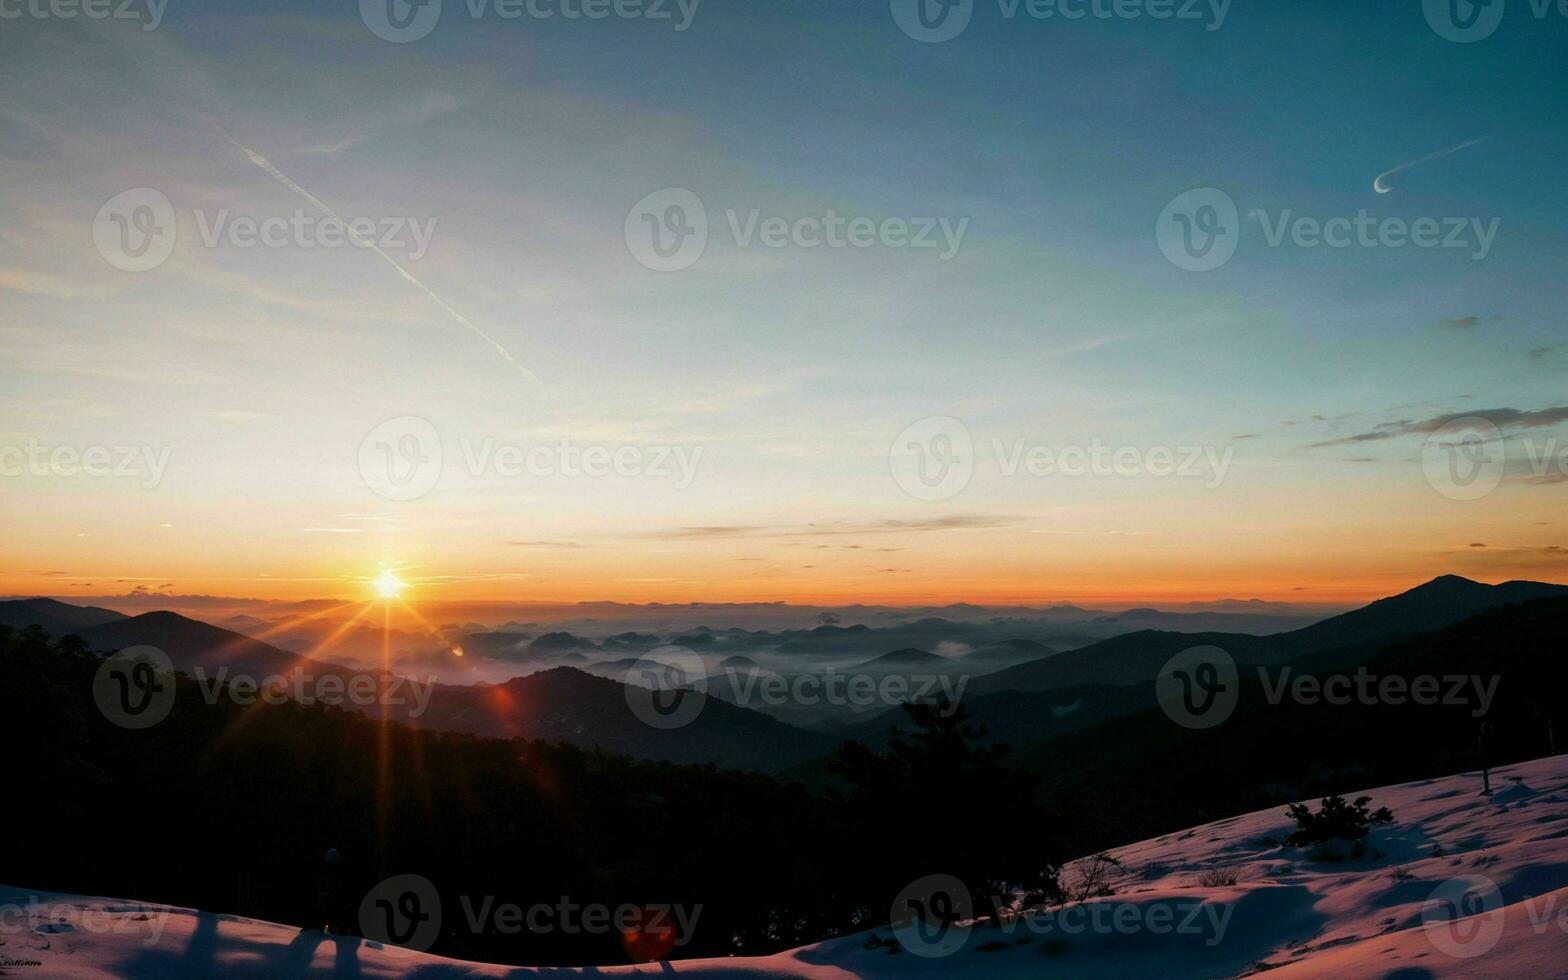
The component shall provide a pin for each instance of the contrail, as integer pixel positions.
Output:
(319, 205)
(1380, 184)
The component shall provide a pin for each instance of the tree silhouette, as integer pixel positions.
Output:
(933, 802)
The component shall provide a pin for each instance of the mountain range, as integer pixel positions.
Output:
(1022, 690)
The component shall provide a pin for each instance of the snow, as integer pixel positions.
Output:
(1501, 860)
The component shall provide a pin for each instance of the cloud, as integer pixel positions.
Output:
(725, 400)
(957, 522)
(266, 167)
(963, 522)
(1549, 558)
(713, 531)
(334, 147)
(1539, 478)
(52, 286)
(411, 113)
(238, 415)
(1466, 322)
(1503, 418)
(1113, 534)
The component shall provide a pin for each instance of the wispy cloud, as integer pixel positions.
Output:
(959, 522)
(1549, 557)
(266, 166)
(51, 285)
(1108, 534)
(238, 415)
(1466, 322)
(1380, 183)
(413, 112)
(1503, 418)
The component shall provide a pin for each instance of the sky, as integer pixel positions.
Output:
(504, 385)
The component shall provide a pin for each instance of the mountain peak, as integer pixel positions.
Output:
(1449, 580)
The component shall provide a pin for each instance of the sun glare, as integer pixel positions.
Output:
(388, 585)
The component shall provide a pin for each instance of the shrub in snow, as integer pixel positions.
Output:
(1092, 878)
(1335, 820)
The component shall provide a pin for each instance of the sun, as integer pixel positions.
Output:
(388, 585)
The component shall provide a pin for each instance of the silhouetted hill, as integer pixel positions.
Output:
(283, 782)
(1131, 658)
(494, 645)
(907, 657)
(621, 666)
(1141, 772)
(52, 616)
(1136, 658)
(568, 705)
(559, 643)
(561, 704)
(1008, 653)
(631, 641)
(1019, 717)
(1445, 600)
(191, 643)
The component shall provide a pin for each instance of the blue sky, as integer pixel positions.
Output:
(1058, 321)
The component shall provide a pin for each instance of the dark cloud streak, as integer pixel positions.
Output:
(1503, 418)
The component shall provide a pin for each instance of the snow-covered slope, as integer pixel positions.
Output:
(1500, 861)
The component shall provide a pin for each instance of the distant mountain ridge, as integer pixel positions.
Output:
(563, 703)
(569, 705)
(191, 643)
(54, 617)
(906, 657)
(1048, 693)
(1135, 658)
